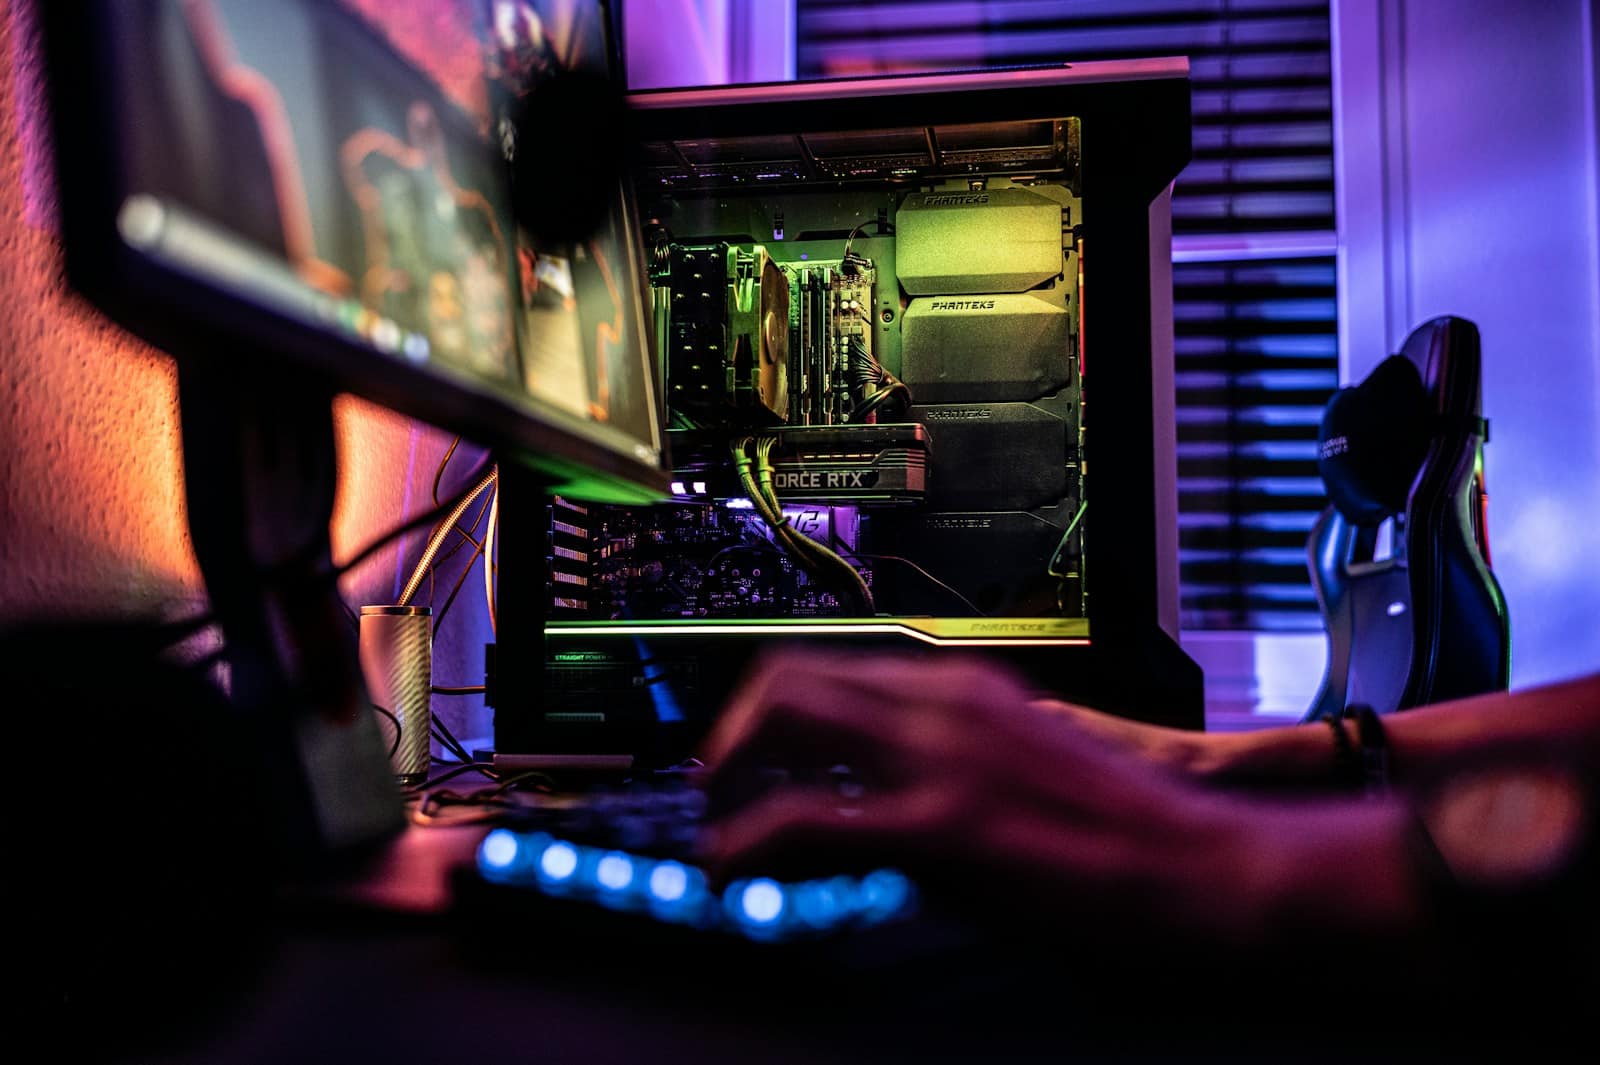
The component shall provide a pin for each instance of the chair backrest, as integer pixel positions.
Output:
(1428, 622)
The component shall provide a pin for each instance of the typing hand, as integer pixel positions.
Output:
(965, 785)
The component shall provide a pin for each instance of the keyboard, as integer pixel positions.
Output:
(632, 849)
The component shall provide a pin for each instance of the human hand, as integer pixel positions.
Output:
(964, 784)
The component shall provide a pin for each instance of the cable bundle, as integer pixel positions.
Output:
(877, 385)
(815, 558)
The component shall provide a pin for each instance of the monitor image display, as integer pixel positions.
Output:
(580, 346)
(281, 154)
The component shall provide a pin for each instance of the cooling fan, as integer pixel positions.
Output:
(727, 345)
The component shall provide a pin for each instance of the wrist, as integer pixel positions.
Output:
(1289, 755)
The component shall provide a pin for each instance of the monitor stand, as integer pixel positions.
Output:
(524, 739)
(259, 471)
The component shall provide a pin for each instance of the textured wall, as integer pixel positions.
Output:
(93, 493)
(93, 515)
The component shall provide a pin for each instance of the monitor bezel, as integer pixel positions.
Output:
(192, 317)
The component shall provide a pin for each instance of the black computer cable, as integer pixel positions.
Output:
(399, 730)
(969, 604)
(494, 801)
(455, 590)
(438, 474)
(184, 628)
(849, 260)
(427, 517)
(458, 770)
(448, 741)
(877, 385)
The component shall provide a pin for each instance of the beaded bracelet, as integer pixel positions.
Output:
(1347, 765)
(1374, 749)
(1366, 769)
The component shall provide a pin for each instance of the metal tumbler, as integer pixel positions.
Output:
(397, 663)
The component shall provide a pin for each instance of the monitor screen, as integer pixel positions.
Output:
(581, 350)
(279, 167)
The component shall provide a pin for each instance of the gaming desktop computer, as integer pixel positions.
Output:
(823, 372)
(870, 306)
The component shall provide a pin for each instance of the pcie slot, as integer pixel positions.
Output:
(569, 521)
(568, 529)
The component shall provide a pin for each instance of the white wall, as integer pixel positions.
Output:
(1466, 144)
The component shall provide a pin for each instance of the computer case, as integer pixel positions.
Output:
(887, 278)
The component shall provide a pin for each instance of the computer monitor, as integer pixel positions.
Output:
(272, 192)
(271, 180)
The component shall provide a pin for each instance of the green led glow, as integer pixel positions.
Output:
(966, 632)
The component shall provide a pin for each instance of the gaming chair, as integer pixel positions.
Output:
(1428, 622)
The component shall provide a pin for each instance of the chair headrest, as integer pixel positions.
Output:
(1372, 441)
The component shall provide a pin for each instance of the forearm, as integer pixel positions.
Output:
(1167, 863)
(1325, 870)
(1341, 891)
(1565, 714)
(1287, 757)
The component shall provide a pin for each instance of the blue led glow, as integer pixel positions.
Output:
(559, 861)
(739, 503)
(498, 849)
(669, 882)
(761, 902)
(615, 872)
(884, 893)
(822, 903)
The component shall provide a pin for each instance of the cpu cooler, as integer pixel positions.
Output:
(727, 336)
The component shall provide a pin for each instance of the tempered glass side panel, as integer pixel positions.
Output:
(895, 315)
(916, 212)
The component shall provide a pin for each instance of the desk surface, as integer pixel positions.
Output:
(381, 968)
